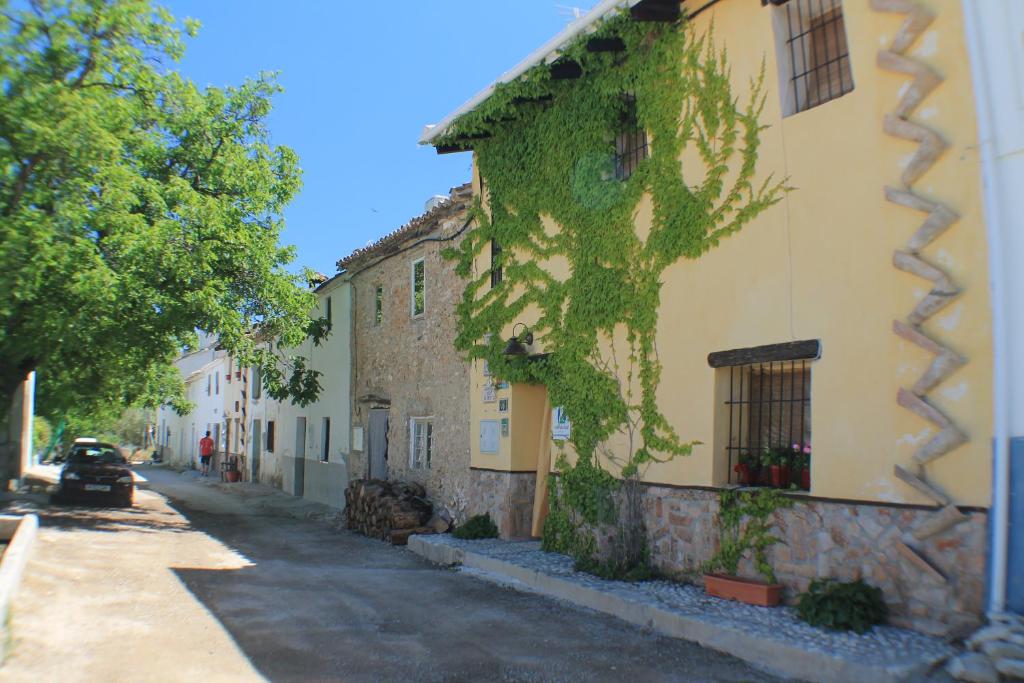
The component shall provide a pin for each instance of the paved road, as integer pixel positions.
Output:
(196, 584)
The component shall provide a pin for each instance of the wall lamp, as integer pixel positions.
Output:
(517, 346)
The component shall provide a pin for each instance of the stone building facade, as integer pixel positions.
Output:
(410, 385)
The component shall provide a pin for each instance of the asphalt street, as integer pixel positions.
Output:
(196, 583)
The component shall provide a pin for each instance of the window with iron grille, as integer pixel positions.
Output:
(814, 59)
(418, 280)
(769, 407)
(495, 266)
(378, 305)
(421, 442)
(631, 141)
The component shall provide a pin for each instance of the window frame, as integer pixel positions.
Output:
(327, 310)
(496, 269)
(629, 152)
(412, 287)
(325, 439)
(796, 45)
(257, 384)
(378, 305)
(426, 441)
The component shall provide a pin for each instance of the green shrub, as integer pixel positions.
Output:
(611, 570)
(853, 606)
(478, 526)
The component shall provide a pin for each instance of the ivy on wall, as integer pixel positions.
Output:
(545, 150)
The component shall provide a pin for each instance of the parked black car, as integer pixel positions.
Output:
(96, 471)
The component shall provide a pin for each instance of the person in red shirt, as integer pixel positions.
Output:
(205, 453)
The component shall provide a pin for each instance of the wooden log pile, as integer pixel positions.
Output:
(389, 510)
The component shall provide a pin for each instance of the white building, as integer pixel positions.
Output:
(312, 443)
(204, 372)
(303, 450)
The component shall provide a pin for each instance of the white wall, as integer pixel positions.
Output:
(323, 481)
(179, 435)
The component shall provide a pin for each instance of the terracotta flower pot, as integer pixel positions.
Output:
(232, 475)
(743, 590)
(780, 475)
(742, 471)
(805, 478)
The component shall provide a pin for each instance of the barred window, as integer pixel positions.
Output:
(814, 59)
(496, 273)
(378, 305)
(769, 408)
(766, 392)
(631, 142)
(418, 279)
(421, 431)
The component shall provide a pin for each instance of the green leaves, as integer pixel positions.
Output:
(550, 157)
(136, 209)
(476, 527)
(744, 525)
(852, 606)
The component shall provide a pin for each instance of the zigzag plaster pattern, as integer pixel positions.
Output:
(944, 290)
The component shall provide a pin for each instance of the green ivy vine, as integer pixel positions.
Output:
(744, 525)
(545, 150)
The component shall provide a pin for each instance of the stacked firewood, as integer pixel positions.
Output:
(390, 510)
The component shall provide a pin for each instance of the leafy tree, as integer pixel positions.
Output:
(136, 208)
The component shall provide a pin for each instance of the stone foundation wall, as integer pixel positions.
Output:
(507, 497)
(844, 541)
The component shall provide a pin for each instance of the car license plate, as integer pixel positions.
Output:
(97, 487)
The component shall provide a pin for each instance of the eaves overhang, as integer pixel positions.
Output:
(545, 54)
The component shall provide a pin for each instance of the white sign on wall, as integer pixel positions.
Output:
(490, 395)
(357, 438)
(489, 430)
(561, 428)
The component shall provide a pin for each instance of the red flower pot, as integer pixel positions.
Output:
(805, 478)
(742, 471)
(743, 590)
(232, 475)
(779, 475)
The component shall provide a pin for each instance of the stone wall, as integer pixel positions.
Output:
(507, 497)
(844, 541)
(410, 365)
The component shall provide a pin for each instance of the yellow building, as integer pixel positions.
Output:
(849, 316)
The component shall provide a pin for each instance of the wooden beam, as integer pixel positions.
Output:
(565, 70)
(613, 44)
(452, 149)
(918, 559)
(808, 349)
(532, 100)
(656, 10)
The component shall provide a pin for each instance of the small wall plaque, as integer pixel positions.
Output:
(504, 426)
(490, 395)
(561, 428)
(502, 405)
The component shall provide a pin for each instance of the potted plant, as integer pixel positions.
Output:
(779, 461)
(747, 469)
(737, 538)
(802, 464)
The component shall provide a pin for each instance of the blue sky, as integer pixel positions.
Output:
(361, 80)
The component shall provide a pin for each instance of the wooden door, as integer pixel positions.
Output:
(300, 456)
(257, 443)
(378, 446)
